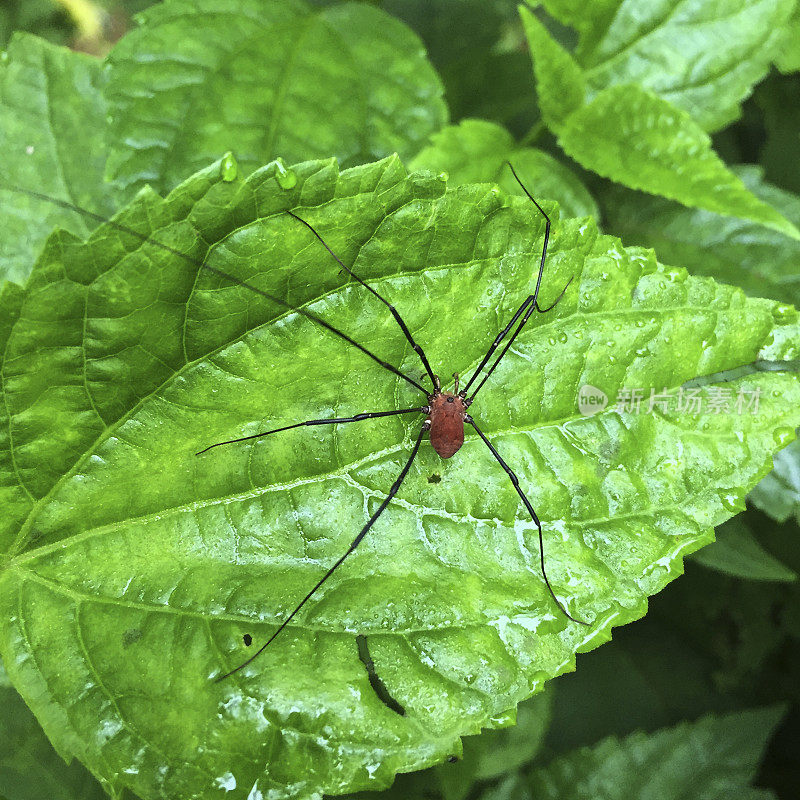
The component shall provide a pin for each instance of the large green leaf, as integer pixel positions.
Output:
(52, 126)
(714, 758)
(702, 56)
(134, 568)
(475, 151)
(628, 133)
(285, 80)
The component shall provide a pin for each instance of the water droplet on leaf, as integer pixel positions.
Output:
(676, 274)
(228, 168)
(732, 499)
(783, 313)
(783, 435)
(286, 178)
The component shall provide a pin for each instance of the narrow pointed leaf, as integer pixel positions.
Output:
(636, 137)
(561, 86)
(135, 571)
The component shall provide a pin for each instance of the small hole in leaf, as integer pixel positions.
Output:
(435, 478)
(248, 640)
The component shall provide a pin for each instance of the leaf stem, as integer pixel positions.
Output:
(533, 134)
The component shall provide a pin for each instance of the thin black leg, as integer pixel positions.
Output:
(531, 309)
(332, 421)
(395, 313)
(222, 274)
(530, 300)
(392, 492)
(515, 482)
(499, 338)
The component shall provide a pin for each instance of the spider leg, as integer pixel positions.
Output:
(531, 298)
(530, 303)
(362, 533)
(201, 264)
(515, 482)
(395, 313)
(531, 309)
(331, 421)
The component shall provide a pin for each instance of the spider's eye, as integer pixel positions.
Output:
(451, 399)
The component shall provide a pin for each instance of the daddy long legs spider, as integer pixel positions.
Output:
(444, 413)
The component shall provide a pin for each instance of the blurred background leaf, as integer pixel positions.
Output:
(29, 767)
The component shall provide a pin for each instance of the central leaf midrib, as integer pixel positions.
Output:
(343, 472)
(16, 546)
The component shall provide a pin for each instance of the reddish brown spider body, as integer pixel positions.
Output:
(446, 416)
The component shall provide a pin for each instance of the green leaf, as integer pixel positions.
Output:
(134, 569)
(52, 125)
(259, 90)
(703, 56)
(496, 752)
(788, 59)
(740, 625)
(737, 552)
(510, 748)
(476, 151)
(29, 767)
(715, 757)
(762, 261)
(635, 137)
(560, 82)
(656, 676)
(778, 494)
(41, 17)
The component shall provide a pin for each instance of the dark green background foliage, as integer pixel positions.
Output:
(130, 570)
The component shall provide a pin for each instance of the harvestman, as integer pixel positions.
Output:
(445, 412)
